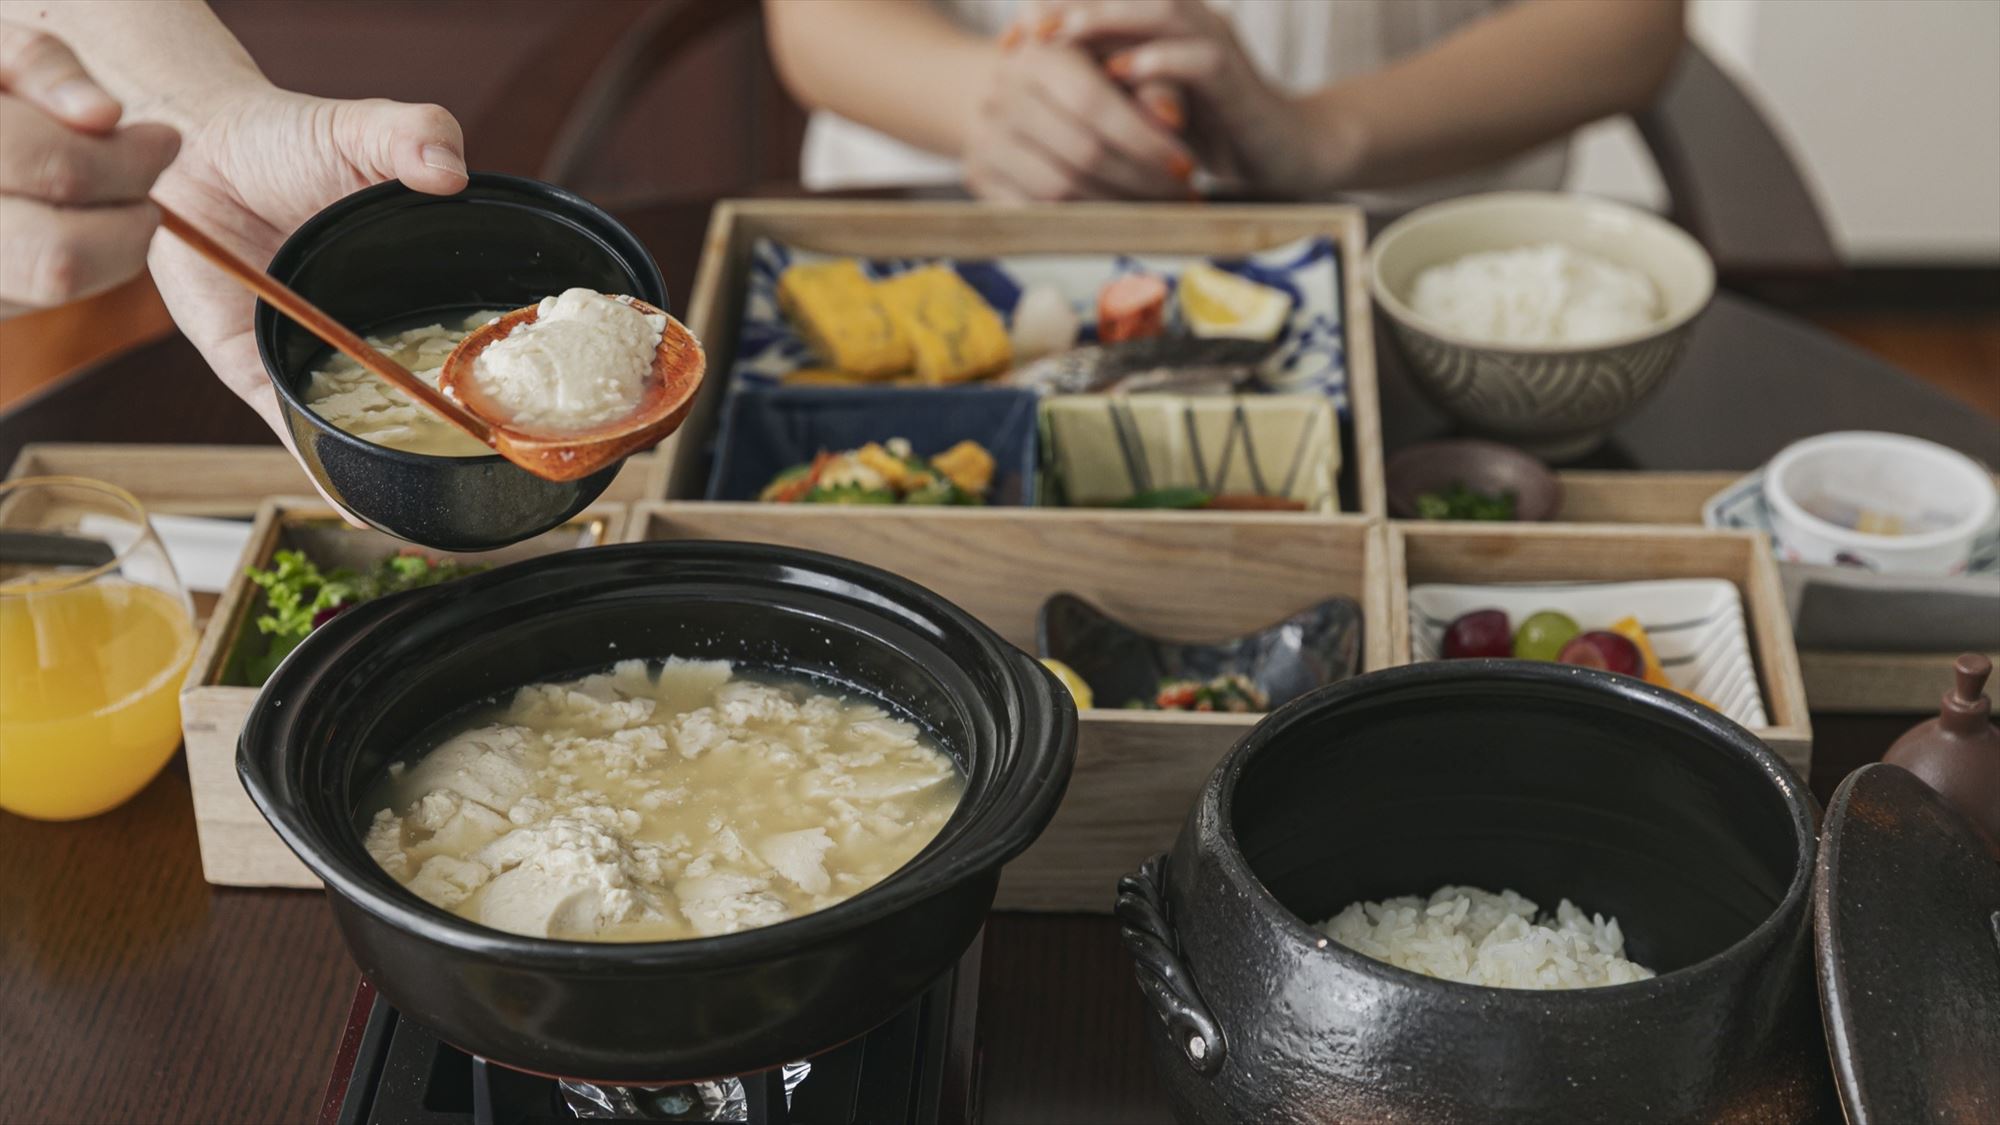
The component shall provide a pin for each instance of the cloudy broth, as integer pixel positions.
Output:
(659, 801)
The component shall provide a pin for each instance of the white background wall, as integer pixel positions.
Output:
(1891, 106)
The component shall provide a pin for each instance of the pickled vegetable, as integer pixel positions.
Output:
(1649, 669)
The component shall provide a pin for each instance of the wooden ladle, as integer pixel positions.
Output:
(664, 401)
(678, 366)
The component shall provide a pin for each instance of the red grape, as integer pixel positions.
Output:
(1610, 651)
(1483, 632)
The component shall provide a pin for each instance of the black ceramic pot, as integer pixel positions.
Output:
(366, 686)
(1554, 781)
(387, 256)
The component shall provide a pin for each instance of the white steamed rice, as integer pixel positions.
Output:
(1477, 937)
(1535, 295)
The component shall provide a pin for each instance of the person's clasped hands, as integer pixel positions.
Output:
(1125, 99)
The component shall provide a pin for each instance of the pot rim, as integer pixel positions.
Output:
(1584, 684)
(1023, 800)
(300, 245)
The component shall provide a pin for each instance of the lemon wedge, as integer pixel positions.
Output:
(1219, 303)
(1070, 680)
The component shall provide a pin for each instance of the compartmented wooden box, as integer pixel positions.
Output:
(1851, 682)
(975, 231)
(237, 847)
(1189, 576)
(1495, 554)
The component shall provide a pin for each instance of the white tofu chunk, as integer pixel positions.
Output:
(538, 902)
(687, 684)
(725, 902)
(447, 880)
(489, 765)
(385, 844)
(471, 828)
(801, 857)
(877, 783)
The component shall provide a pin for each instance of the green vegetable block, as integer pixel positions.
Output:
(1169, 498)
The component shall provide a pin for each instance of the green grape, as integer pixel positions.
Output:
(1542, 636)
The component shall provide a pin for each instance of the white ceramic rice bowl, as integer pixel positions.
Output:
(1556, 401)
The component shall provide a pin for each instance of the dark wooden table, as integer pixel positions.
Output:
(130, 990)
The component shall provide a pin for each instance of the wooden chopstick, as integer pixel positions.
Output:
(309, 317)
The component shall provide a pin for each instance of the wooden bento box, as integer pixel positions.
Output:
(961, 231)
(1182, 576)
(1849, 682)
(1519, 553)
(237, 847)
(1188, 576)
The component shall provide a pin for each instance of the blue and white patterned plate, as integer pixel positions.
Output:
(1311, 354)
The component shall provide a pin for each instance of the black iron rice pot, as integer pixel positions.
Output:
(1554, 781)
(368, 688)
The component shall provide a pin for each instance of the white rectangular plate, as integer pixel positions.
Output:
(1696, 625)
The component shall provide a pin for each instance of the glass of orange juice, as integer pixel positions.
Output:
(95, 635)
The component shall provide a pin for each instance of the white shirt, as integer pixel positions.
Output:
(1297, 44)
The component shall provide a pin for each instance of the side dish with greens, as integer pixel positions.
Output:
(887, 473)
(300, 597)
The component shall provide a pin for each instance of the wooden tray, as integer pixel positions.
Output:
(1183, 575)
(1633, 497)
(969, 230)
(238, 848)
(1835, 682)
(1474, 553)
(232, 481)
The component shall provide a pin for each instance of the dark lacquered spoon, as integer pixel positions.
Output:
(677, 370)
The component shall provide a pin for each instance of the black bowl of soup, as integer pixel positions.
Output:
(1553, 782)
(386, 261)
(369, 692)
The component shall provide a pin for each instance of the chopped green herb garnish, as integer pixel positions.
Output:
(301, 597)
(1461, 503)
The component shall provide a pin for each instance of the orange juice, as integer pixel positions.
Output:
(90, 679)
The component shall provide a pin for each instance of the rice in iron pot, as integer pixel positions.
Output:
(1477, 937)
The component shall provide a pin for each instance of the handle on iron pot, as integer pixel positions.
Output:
(1163, 976)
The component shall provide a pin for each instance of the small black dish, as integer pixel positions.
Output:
(1485, 467)
(387, 256)
(1314, 647)
(366, 686)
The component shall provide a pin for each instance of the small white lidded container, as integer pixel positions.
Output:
(1877, 501)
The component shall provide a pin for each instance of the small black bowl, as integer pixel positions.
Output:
(387, 256)
(365, 687)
